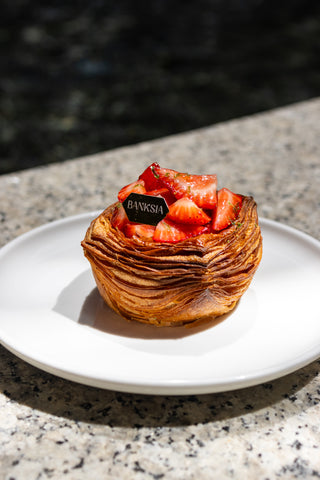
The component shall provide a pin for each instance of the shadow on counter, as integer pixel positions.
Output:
(27, 385)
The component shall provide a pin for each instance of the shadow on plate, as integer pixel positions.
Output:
(95, 313)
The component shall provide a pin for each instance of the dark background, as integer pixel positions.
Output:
(81, 77)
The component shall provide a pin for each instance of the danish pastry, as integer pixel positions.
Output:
(193, 264)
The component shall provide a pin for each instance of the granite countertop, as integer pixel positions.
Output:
(53, 428)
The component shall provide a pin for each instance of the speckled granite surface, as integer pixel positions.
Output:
(52, 428)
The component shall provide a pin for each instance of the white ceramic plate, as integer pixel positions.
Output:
(52, 317)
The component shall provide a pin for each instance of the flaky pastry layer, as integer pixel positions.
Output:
(172, 284)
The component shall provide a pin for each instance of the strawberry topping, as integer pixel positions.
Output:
(164, 193)
(171, 232)
(151, 178)
(139, 230)
(228, 209)
(119, 217)
(185, 210)
(134, 187)
(195, 206)
(199, 188)
(167, 231)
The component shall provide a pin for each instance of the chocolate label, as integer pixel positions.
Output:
(145, 208)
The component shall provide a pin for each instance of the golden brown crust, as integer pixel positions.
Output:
(172, 284)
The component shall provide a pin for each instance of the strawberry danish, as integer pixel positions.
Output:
(174, 249)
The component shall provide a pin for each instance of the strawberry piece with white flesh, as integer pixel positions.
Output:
(195, 230)
(139, 230)
(119, 217)
(151, 178)
(228, 208)
(134, 187)
(164, 193)
(186, 211)
(202, 189)
(170, 232)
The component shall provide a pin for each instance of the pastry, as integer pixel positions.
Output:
(192, 264)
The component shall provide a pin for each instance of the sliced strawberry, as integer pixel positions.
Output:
(165, 175)
(228, 209)
(185, 210)
(139, 230)
(164, 193)
(167, 231)
(136, 187)
(119, 217)
(195, 230)
(200, 188)
(170, 232)
(151, 178)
